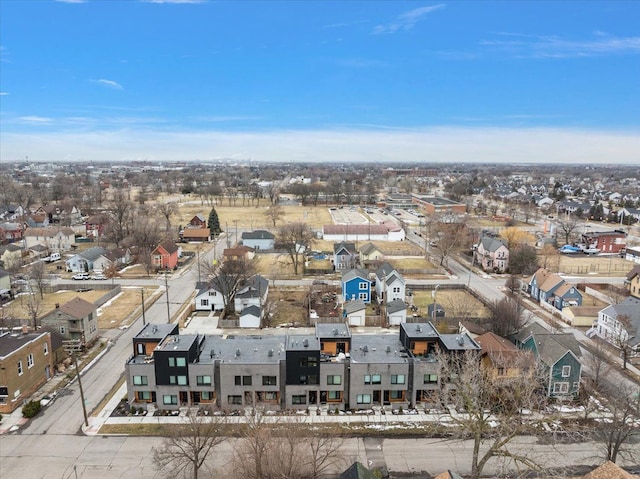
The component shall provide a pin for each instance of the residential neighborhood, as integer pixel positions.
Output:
(368, 327)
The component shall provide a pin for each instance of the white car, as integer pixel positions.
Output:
(99, 277)
(80, 276)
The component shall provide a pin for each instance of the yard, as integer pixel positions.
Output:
(457, 303)
(19, 307)
(582, 264)
(288, 306)
(114, 313)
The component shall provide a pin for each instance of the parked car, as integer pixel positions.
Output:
(98, 277)
(569, 249)
(80, 276)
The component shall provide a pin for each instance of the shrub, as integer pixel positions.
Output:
(31, 409)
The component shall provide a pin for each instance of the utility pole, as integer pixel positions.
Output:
(71, 346)
(433, 312)
(144, 319)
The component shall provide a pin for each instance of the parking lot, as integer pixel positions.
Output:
(347, 216)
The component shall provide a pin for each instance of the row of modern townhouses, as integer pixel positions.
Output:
(329, 368)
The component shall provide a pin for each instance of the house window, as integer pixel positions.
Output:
(203, 380)
(334, 395)
(204, 302)
(213, 293)
(206, 395)
(363, 296)
(172, 380)
(363, 399)
(242, 380)
(30, 361)
(269, 381)
(169, 399)
(308, 379)
(397, 379)
(172, 362)
(562, 388)
(335, 379)
(234, 399)
(430, 378)
(143, 395)
(372, 379)
(309, 362)
(140, 380)
(270, 396)
(46, 349)
(500, 371)
(182, 380)
(363, 285)
(181, 362)
(566, 371)
(19, 368)
(299, 399)
(397, 395)
(62, 330)
(396, 289)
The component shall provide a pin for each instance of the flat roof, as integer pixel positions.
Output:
(420, 330)
(302, 342)
(377, 348)
(155, 331)
(332, 330)
(177, 342)
(437, 200)
(251, 349)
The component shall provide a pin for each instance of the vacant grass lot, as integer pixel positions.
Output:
(582, 264)
(288, 306)
(115, 312)
(18, 308)
(457, 303)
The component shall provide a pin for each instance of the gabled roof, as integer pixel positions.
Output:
(93, 253)
(564, 289)
(551, 282)
(553, 347)
(350, 248)
(491, 244)
(357, 471)
(395, 277)
(355, 273)
(169, 246)
(633, 273)
(258, 234)
(501, 351)
(254, 287)
(77, 308)
(200, 217)
(395, 306)
(368, 248)
(353, 306)
(630, 308)
(252, 310)
(195, 233)
(385, 270)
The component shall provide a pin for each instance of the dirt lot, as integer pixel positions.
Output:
(275, 265)
(110, 315)
(288, 306)
(457, 303)
(580, 264)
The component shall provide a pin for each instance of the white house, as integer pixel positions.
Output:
(259, 239)
(208, 297)
(85, 261)
(493, 254)
(253, 293)
(57, 240)
(390, 284)
(620, 323)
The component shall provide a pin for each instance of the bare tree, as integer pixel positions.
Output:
(34, 307)
(450, 236)
(285, 451)
(121, 210)
(295, 239)
(37, 274)
(228, 277)
(507, 316)
(274, 213)
(167, 210)
(597, 368)
(567, 225)
(622, 335)
(490, 408)
(618, 435)
(184, 451)
(146, 237)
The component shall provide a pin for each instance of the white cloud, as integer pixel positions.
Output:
(3, 93)
(544, 46)
(35, 119)
(437, 144)
(406, 20)
(109, 83)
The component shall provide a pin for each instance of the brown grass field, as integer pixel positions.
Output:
(288, 306)
(581, 264)
(457, 303)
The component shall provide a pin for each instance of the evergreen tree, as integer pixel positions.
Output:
(214, 223)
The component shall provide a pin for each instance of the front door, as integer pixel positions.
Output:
(184, 397)
(376, 397)
(313, 397)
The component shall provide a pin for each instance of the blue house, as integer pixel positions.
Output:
(559, 355)
(356, 285)
(566, 295)
(552, 288)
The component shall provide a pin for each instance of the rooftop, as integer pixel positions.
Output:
(377, 348)
(251, 349)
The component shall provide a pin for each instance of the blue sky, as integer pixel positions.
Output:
(320, 81)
